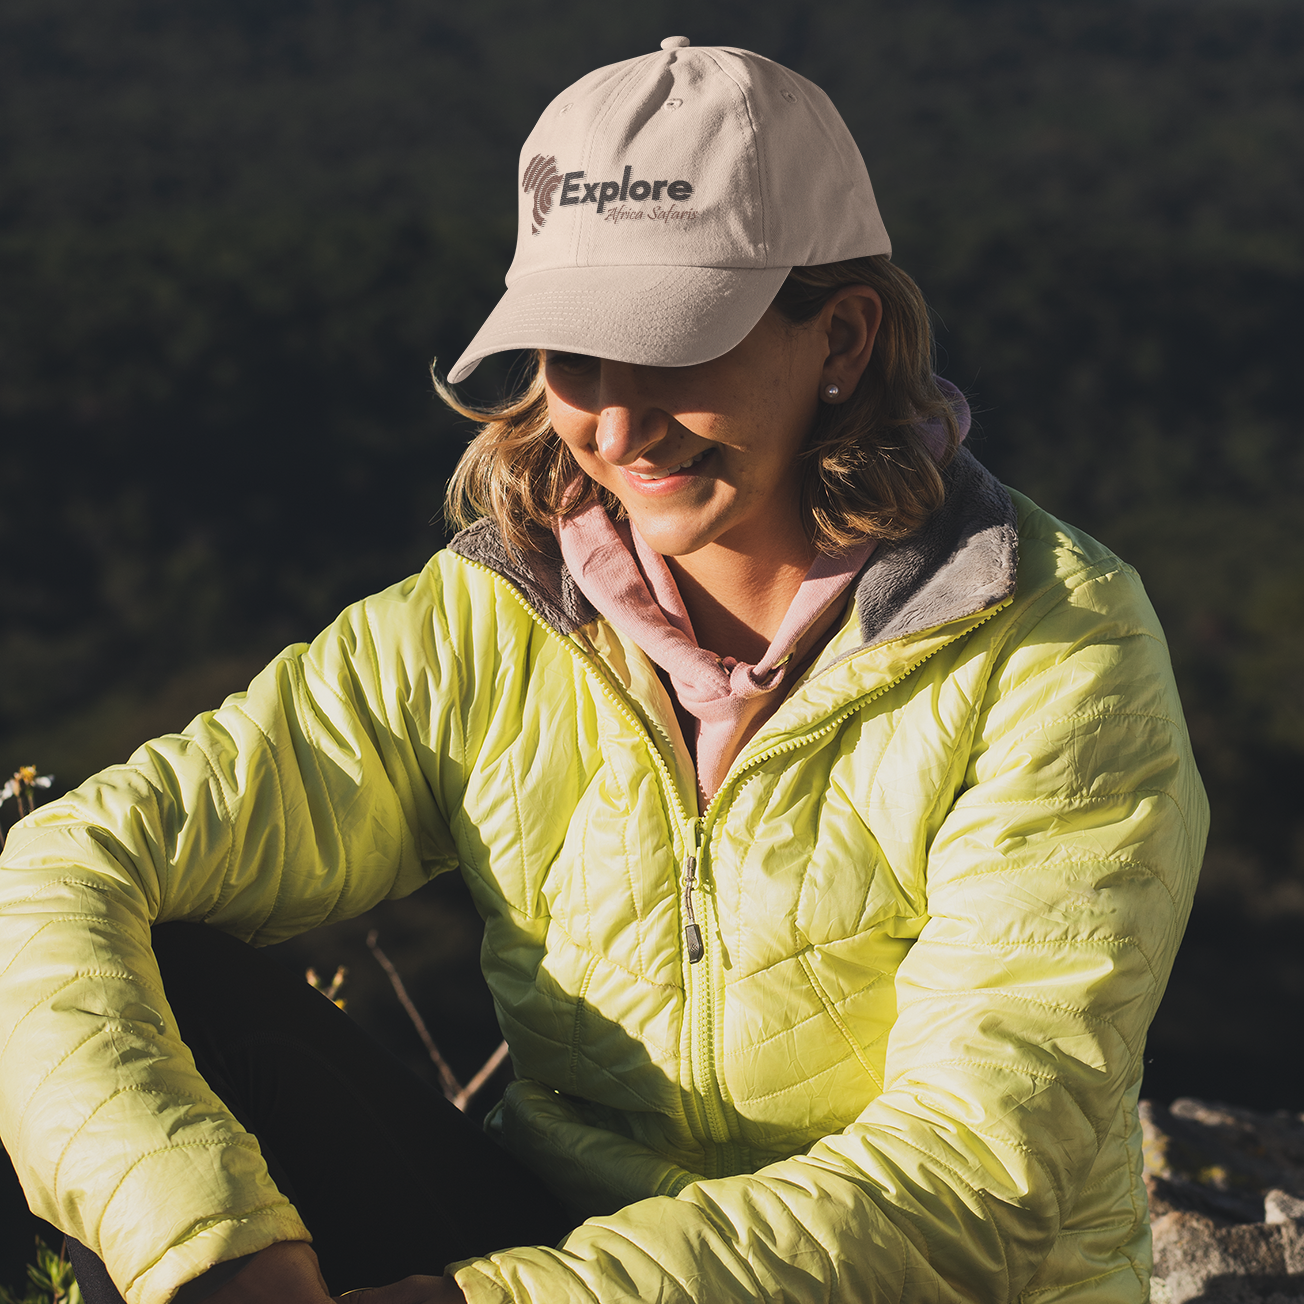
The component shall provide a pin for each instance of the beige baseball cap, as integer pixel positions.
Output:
(663, 200)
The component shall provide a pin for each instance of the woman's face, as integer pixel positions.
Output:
(702, 455)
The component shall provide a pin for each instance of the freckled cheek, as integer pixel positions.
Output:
(574, 428)
(579, 437)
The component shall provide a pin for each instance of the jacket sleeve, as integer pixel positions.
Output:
(305, 800)
(1058, 884)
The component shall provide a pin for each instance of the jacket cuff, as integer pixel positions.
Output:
(230, 1238)
(479, 1282)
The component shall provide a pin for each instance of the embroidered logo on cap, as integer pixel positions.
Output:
(542, 177)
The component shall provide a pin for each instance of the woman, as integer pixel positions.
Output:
(829, 808)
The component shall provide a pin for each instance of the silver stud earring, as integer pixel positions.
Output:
(831, 392)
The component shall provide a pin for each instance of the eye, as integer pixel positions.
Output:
(570, 364)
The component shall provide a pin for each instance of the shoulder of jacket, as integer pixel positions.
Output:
(1053, 552)
(1061, 565)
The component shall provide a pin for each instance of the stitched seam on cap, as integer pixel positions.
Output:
(756, 147)
(615, 97)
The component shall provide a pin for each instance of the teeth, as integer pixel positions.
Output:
(670, 470)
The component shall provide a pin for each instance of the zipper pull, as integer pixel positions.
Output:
(692, 933)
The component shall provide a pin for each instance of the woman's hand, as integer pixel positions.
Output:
(284, 1273)
(411, 1290)
(287, 1273)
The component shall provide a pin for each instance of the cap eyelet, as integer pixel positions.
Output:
(789, 96)
(671, 105)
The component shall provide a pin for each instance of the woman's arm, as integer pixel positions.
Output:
(305, 800)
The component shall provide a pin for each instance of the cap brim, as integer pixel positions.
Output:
(654, 316)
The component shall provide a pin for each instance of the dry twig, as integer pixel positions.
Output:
(457, 1093)
(487, 1070)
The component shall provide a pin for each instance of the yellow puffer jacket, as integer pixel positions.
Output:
(939, 892)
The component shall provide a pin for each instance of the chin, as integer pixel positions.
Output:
(675, 538)
(672, 543)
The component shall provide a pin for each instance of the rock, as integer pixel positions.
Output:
(1279, 1207)
(1241, 1264)
(1226, 1189)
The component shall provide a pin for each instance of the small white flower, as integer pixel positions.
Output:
(24, 777)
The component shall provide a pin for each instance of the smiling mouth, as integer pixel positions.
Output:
(670, 470)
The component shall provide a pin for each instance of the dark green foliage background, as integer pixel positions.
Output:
(233, 233)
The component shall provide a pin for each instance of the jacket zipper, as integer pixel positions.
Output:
(702, 992)
(692, 933)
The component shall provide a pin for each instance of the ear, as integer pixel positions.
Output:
(850, 319)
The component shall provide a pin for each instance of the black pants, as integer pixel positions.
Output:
(388, 1176)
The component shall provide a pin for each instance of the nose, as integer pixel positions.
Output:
(629, 422)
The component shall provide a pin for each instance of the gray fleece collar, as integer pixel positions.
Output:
(963, 561)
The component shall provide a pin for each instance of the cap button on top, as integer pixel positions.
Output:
(675, 42)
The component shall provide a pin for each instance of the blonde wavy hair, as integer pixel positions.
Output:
(867, 468)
